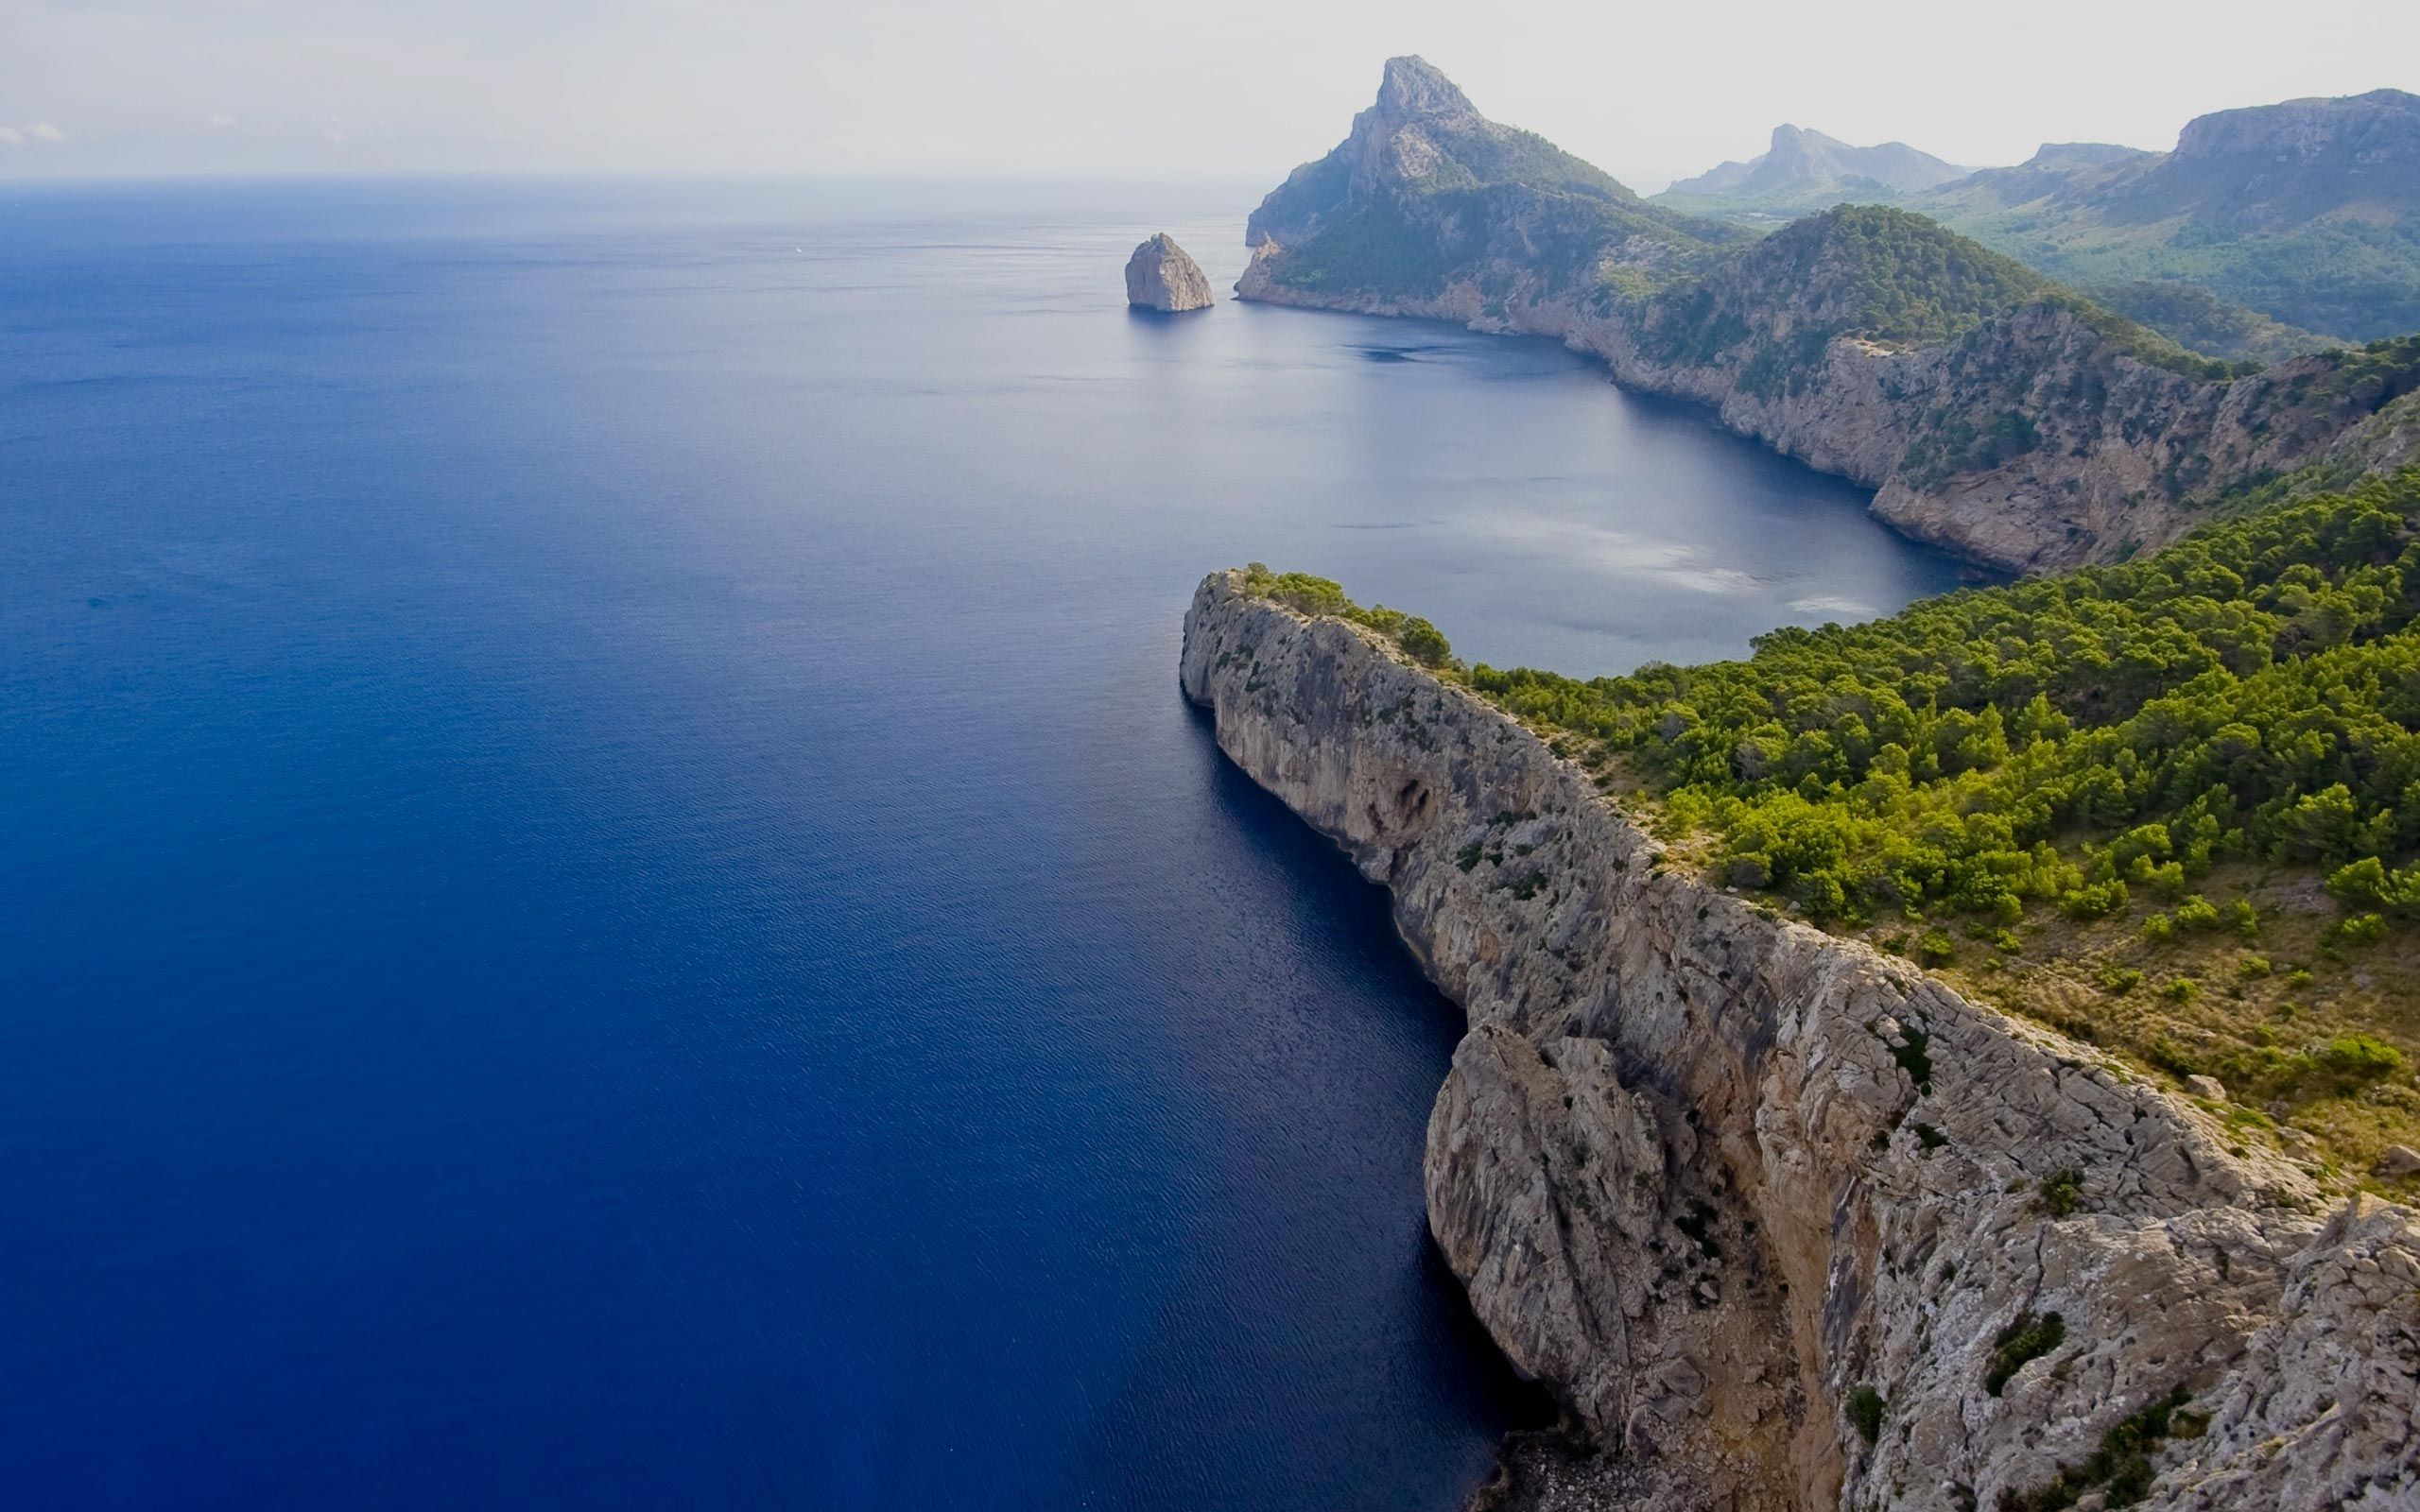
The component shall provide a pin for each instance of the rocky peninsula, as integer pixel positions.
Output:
(1995, 413)
(1784, 1222)
(1163, 275)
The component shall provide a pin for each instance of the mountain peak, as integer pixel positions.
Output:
(1805, 166)
(1415, 87)
(1422, 136)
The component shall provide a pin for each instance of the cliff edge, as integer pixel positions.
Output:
(1784, 1222)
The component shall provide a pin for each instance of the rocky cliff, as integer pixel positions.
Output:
(1784, 1222)
(1995, 413)
(1163, 275)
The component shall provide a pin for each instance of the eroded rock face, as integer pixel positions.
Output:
(1161, 276)
(1709, 1174)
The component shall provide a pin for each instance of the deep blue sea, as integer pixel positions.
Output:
(606, 897)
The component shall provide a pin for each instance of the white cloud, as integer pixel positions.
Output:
(44, 132)
(220, 119)
(10, 136)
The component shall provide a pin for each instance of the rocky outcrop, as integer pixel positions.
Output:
(1993, 414)
(1786, 1223)
(1162, 276)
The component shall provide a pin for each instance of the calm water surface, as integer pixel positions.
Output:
(606, 899)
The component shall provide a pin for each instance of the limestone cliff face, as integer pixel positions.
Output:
(1709, 1174)
(1163, 275)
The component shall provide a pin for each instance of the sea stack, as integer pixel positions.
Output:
(1161, 277)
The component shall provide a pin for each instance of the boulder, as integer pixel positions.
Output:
(1160, 275)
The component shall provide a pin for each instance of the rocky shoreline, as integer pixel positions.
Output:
(1786, 1223)
(2096, 485)
(2020, 428)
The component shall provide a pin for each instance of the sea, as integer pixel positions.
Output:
(607, 898)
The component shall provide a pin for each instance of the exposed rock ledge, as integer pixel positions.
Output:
(1708, 1173)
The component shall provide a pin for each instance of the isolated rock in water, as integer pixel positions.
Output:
(1161, 277)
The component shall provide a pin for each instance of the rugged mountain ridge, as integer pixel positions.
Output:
(2307, 211)
(1996, 414)
(1784, 1222)
(1422, 174)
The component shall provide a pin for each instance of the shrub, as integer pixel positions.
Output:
(2093, 901)
(2061, 1192)
(2197, 914)
(2358, 1058)
(2361, 929)
(2122, 1468)
(1865, 1406)
(2027, 1338)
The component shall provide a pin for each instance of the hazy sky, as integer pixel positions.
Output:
(1240, 88)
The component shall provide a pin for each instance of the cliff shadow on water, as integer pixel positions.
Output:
(1312, 1095)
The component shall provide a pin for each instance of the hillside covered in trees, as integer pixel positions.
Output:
(2170, 805)
(1995, 413)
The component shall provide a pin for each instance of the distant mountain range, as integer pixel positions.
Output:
(1995, 412)
(2266, 231)
(1807, 170)
(2307, 211)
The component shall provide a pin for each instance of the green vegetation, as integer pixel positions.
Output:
(2122, 1468)
(2199, 320)
(2061, 1194)
(2028, 1337)
(1882, 275)
(1307, 595)
(1865, 1408)
(2135, 782)
(2169, 807)
(1371, 244)
(1505, 154)
(1412, 236)
(1411, 243)
(2251, 693)
(2343, 278)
